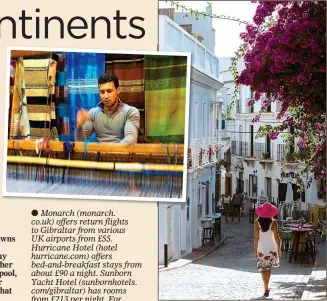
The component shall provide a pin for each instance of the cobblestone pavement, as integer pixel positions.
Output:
(230, 273)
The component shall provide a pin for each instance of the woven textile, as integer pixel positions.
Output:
(165, 98)
(40, 78)
(20, 125)
(129, 69)
(62, 111)
(82, 71)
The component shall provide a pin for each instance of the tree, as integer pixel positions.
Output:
(284, 54)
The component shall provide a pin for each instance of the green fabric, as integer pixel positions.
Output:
(165, 98)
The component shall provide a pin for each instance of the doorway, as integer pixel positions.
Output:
(228, 184)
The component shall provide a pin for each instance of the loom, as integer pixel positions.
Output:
(37, 162)
(97, 169)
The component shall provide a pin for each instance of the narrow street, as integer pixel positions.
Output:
(230, 273)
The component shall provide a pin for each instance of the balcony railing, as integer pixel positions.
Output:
(260, 150)
(240, 148)
(173, 38)
(281, 149)
(201, 152)
(195, 150)
(205, 150)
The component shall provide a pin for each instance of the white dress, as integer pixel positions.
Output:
(267, 251)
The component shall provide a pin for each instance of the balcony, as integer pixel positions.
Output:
(194, 152)
(202, 152)
(259, 152)
(240, 148)
(281, 149)
(291, 157)
(205, 151)
(174, 38)
(264, 154)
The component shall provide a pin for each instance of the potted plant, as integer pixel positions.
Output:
(266, 155)
(290, 158)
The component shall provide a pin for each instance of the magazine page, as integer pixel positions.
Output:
(163, 150)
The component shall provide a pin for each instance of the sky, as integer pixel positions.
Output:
(227, 32)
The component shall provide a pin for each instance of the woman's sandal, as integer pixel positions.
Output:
(266, 294)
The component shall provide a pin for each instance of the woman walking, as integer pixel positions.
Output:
(266, 242)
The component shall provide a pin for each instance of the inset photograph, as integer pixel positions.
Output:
(103, 125)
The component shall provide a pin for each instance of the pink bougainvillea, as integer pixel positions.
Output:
(285, 59)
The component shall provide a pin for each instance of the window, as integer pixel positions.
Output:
(207, 198)
(254, 186)
(292, 142)
(278, 105)
(251, 141)
(269, 108)
(268, 146)
(250, 184)
(237, 105)
(240, 182)
(268, 188)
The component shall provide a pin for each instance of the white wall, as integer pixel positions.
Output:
(162, 239)
(200, 25)
(204, 86)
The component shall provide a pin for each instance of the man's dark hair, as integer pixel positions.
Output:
(107, 78)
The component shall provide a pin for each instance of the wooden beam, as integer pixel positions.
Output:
(27, 53)
(129, 167)
(109, 148)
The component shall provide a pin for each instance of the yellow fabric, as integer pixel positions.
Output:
(39, 92)
(41, 116)
(162, 119)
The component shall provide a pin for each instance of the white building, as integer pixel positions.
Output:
(199, 25)
(180, 224)
(256, 162)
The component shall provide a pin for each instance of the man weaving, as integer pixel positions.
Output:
(112, 120)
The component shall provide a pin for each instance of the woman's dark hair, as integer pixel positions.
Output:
(264, 223)
(107, 78)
